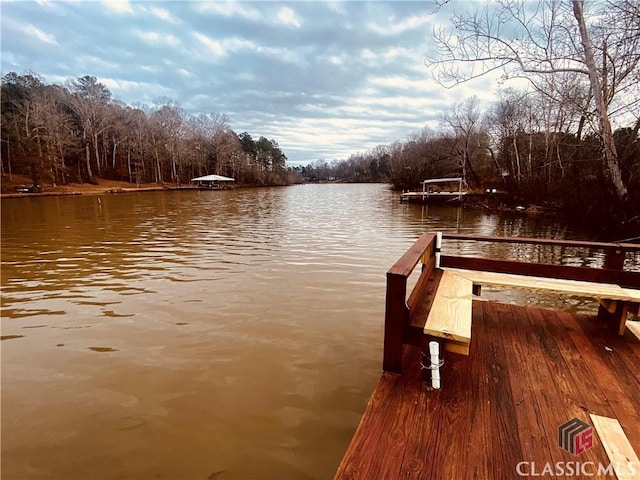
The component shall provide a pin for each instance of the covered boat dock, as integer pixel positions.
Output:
(213, 182)
(436, 189)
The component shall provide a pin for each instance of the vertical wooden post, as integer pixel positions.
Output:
(613, 260)
(395, 319)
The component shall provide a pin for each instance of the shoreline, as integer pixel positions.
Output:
(99, 187)
(94, 191)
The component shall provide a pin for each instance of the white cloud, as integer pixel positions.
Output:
(402, 26)
(391, 56)
(221, 48)
(368, 54)
(235, 43)
(118, 6)
(113, 84)
(395, 53)
(162, 14)
(150, 37)
(213, 45)
(172, 40)
(281, 54)
(44, 37)
(91, 62)
(337, 7)
(155, 38)
(228, 9)
(403, 83)
(143, 91)
(288, 17)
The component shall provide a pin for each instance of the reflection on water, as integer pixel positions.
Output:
(221, 334)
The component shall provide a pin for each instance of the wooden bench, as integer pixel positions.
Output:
(449, 317)
(618, 301)
(442, 310)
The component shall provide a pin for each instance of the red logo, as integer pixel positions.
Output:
(575, 436)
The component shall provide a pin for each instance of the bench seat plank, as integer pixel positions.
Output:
(450, 315)
(634, 295)
(603, 291)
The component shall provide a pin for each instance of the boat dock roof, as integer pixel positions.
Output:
(442, 180)
(498, 412)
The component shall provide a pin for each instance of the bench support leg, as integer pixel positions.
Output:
(620, 317)
(616, 312)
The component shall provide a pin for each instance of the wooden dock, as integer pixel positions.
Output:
(438, 190)
(499, 410)
(433, 196)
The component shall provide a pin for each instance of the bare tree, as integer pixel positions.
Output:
(55, 127)
(463, 119)
(522, 39)
(597, 81)
(88, 100)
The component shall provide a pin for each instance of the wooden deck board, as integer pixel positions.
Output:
(570, 400)
(502, 410)
(451, 421)
(399, 429)
(583, 386)
(552, 410)
(385, 398)
(534, 440)
(530, 370)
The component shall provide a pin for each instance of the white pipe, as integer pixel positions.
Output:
(434, 351)
(438, 247)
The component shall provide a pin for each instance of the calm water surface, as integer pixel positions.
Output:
(201, 335)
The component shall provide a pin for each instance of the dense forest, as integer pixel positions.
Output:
(76, 132)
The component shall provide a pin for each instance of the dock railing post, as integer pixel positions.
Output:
(396, 317)
(613, 260)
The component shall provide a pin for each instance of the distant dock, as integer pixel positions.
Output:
(437, 190)
(524, 391)
(433, 196)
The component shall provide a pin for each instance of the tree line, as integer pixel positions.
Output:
(77, 132)
(522, 144)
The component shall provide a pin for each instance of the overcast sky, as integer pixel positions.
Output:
(324, 79)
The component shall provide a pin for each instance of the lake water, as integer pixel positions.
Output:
(201, 335)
